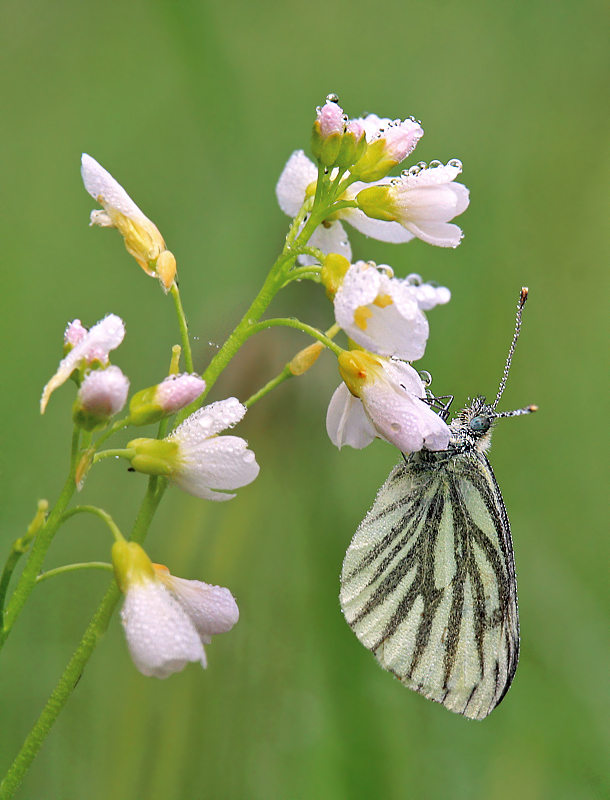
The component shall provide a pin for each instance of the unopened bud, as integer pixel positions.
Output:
(392, 146)
(102, 394)
(306, 358)
(327, 132)
(165, 398)
(165, 269)
(73, 334)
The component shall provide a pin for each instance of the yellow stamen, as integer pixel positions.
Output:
(361, 314)
(382, 300)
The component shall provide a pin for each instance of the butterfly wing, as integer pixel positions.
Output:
(428, 583)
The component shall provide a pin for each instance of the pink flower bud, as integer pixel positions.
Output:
(74, 333)
(102, 394)
(177, 391)
(330, 119)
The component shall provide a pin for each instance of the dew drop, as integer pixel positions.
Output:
(426, 377)
(395, 427)
(332, 98)
(248, 457)
(455, 162)
(435, 164)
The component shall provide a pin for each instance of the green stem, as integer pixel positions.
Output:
(183, 325)
(97, 627)
(122, 423)
(51, 573)
(117, 453)
(19, 548)
(98, 512)
(42, 543)
(280, 378)
(301, 326)
(315, 252)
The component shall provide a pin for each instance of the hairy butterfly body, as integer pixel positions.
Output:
(428, 581)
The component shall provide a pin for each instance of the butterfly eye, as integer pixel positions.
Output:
(480, 424)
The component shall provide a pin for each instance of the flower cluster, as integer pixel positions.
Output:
(419, 204)
(382, 396)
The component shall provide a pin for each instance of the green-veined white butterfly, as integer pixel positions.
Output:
(428, 581)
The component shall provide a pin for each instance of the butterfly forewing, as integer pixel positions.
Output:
(428, 581)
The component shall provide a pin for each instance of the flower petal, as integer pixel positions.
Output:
(296, 176)
(381, 230)
(346, 421)
(212, 609)
(222, 462)
(441, 234)
(209, 420)
(102, 187)
(160, 636)
(399, 415)
(329, 240)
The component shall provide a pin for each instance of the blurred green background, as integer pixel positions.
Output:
(195, 107)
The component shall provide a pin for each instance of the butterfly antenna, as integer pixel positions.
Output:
(511, 351)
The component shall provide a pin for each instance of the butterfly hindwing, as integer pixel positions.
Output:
(428, 582)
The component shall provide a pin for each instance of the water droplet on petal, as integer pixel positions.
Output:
(395, 427)
(248, 457)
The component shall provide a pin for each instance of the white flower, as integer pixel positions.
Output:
(384, 314)
(206, 462)
(298, 174)
(95, 345)
(102, 394)
(142, 238)
(382, 398)
(167, 620)
(423, 201)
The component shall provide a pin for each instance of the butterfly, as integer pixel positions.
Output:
(428, 582)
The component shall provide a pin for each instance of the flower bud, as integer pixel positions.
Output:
(306, 359)
(73, 334)
(102, 394)
(328, 132)
(353, 145)
(391, 145)
(174, 393)
(165, 269)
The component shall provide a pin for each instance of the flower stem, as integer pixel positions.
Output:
(51, 573)
(279, 378)
(117, 453)
(99, 512)
(21, 546)
(41, 544)
(183, 325)
(301, 326)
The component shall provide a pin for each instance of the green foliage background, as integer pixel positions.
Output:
(195, 108)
